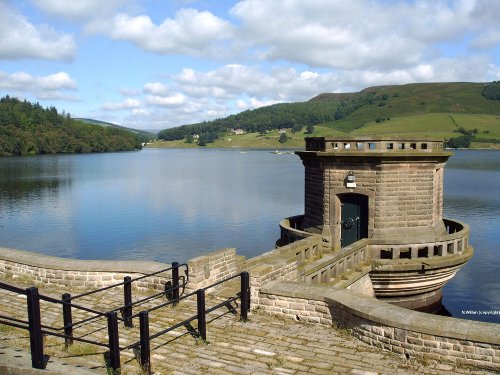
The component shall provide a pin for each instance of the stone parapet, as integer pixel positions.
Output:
(79, 273)
(212, 267)
(386, 326)
(282, 263)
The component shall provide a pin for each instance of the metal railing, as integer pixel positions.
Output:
(37, 330)
(200, 317)
(172, 292)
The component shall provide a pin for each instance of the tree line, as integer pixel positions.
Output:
(28, 129)
(278, 116)
(294, 116)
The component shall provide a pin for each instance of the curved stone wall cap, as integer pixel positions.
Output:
(68, 264)
(394, 316)
(384, 313)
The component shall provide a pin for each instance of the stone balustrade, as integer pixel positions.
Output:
(455, 242)
(332, 266)
(372, 144)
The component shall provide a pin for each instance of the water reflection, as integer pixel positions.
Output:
(31, 179)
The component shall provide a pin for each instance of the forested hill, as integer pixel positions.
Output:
(27, 129)
(349, 113)
(277, 116)
(143, 135)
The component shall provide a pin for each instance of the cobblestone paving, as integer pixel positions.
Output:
(263, 345)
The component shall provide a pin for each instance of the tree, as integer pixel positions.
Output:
(309, 128)
(296, 128)
(189, 138)
(283, 138)
(492, 91)
(459, 142)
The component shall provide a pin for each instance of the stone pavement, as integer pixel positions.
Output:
(263, 345)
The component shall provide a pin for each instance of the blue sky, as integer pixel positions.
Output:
(155, 64)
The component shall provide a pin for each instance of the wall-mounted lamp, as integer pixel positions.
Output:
(350, 180)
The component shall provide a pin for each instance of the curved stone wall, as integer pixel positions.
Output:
(78, 273)
(389, 327)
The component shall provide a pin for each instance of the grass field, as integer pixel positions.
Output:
(255, 140)
(430, 125)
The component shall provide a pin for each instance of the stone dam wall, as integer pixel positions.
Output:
(275, 290)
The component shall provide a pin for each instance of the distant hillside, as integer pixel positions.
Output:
(375, 108)
(383, 102)
(144, 136)
(28, 129)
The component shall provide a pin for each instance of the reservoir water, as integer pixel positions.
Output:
(172, 205)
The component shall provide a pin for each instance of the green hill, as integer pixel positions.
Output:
(28, 129)
(444, 110)
(143, 135)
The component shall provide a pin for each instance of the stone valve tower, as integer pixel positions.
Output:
(387, 193)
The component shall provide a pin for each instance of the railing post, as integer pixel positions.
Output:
(67, 319)
(145, 343)
(202, 322)
(175, 282)
(113, 341)
(127, 299)
(245, 295)
(35, 328)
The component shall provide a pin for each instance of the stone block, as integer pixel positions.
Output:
(415, 341)
(485, 352)
(431, 344)
(446, 346)
(400, 334)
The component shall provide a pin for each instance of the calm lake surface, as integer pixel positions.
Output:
(172, 205)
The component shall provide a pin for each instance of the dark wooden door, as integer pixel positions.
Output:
(354, 218)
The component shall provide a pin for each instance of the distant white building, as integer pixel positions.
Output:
(238, 131)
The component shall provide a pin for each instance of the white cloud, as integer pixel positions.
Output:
(128, 91)
(20, 39)
(156, 88)
(126, 104)
(253, 103)
(487, 40)
(79, 10)
(361, 34)
(167, 101)
(42, 87)
(191, 32)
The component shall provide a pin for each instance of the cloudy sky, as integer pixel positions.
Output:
(154, 64)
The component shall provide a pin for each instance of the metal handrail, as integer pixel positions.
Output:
(131, 280)
(37, 330)
(145, 337)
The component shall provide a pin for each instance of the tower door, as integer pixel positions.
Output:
(354, 218)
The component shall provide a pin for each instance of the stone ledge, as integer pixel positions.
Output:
(50, 262)
(393, 316)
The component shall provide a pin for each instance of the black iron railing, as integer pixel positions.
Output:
(37, 330)
(172, 292)
(144, 342)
